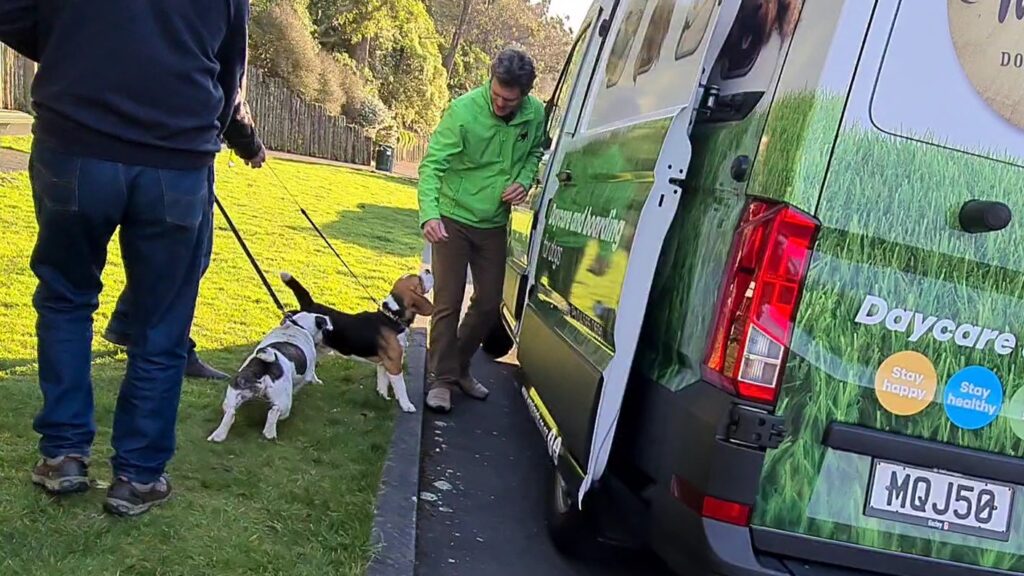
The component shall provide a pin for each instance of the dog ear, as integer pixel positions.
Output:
(323, 323)
(420, 305)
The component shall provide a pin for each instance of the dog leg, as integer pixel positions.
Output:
(232, 400)
(398, 383)
(270, 428)
(382, 382)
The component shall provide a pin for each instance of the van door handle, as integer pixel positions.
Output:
(979, 216)
(564, 177)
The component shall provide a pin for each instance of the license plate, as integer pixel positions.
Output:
(940, 500)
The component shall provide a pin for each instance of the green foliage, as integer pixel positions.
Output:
(470, 69)
(281, 45)
(394, 52)
(396, 41)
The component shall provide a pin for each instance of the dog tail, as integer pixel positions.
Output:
(305, 300)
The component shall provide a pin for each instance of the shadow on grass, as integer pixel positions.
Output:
(388, 230)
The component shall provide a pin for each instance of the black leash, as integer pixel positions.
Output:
(252, 259)
(369, 295)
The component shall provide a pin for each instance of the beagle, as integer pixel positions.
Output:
(378, 337)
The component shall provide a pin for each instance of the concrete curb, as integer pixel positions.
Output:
(394, 525)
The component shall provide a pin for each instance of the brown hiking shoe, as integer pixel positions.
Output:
(62, 475)
(473, 388)
(439, 399)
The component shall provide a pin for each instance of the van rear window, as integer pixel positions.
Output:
(950, 77)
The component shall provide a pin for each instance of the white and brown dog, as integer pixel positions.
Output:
(281, 365)
(378, 337)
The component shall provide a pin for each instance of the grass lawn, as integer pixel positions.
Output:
(301, 505)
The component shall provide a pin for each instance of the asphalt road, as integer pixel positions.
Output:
(483, 476)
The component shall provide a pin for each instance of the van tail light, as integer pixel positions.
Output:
(757, 306)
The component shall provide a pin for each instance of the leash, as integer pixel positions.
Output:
(252, 259)
(302, 210)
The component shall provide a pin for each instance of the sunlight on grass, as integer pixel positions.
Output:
(302, 505)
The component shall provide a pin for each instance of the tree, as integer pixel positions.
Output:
(397, 43)
(460, 30)
(490, 26)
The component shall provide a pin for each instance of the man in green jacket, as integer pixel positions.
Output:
(481, 160)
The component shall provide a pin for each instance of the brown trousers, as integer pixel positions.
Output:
(452, 345)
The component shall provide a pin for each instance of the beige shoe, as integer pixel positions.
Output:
(439, 399)
(473, 388)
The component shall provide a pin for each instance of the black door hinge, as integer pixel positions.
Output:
(755, 428)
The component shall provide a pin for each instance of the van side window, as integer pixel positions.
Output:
(694, 28)
(559, 103)
(624, 42)
(654, 38)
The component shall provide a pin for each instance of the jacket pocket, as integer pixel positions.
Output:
(450, 194)
(187, 194)
(54, 177)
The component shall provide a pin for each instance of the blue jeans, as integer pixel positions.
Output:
(120, 319)
(165, 217)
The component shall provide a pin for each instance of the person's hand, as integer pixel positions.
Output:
(434, 232)
(258, 160)
(514, 194)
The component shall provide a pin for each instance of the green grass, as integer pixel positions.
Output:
(301, 505)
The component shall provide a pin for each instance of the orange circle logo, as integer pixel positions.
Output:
(988, 36)
(905, 383)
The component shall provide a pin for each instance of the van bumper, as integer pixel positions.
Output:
(695, 450)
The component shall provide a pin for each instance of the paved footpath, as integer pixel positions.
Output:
(482, 482)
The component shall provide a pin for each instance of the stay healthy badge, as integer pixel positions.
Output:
(973, 397)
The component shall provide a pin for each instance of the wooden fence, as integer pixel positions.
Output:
(411, 151)
(15, 80)
(287, 123)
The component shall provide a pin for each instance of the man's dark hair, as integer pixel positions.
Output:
(514, 68)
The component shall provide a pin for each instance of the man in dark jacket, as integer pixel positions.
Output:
(132, 100)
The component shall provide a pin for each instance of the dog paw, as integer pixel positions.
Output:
(270, 435)
(408, 408)
(217, 437)
(384, 393)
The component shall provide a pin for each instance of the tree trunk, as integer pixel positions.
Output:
(361, 52)
(460, 30)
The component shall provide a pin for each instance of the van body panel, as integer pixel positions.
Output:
(909, 325)
(613, 194)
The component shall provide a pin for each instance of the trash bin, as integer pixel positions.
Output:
(385, 158)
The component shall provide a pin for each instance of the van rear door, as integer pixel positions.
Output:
(903, 394)
(606, 211)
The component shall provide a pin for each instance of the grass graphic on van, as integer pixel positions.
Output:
(888, 228)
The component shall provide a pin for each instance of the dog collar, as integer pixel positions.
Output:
(390, 315)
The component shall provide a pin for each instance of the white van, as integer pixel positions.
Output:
(768, 293)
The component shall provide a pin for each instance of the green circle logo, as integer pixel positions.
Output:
(1015, 412)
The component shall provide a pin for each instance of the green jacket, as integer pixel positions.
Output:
(474, 156)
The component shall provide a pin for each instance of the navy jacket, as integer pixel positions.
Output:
(150, 83)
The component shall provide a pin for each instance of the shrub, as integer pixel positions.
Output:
(282, 46)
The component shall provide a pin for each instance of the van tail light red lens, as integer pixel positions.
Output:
(725, 511)
(709, 506)
(757, 306)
